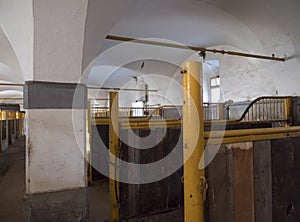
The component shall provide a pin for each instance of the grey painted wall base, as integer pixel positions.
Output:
(69, 205)
(52, 95)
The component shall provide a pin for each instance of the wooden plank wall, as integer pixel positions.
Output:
(262, 181)
(243, 191)
(286, 179)
(231, 184)
(248, 182)
(220, 192)
(138, 200)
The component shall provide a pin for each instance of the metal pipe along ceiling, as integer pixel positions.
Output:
(200, 49)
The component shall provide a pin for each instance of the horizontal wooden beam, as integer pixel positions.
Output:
(211, 137)
(251, 138)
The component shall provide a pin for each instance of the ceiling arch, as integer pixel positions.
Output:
(7, 53)
(257, 26)
(16, 21)
(16, 44)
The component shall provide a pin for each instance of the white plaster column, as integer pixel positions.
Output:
(55, 162)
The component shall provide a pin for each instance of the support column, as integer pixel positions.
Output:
(114, 154)
(7, 127)
(56, 176)
(56, 172)
(193, 142)
(1, 132)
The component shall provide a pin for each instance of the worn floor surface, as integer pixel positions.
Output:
(12, 189)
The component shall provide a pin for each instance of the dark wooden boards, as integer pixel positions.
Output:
(262, 166)
(243, 192)
(220, 190)
(139, 200)
(285, 179)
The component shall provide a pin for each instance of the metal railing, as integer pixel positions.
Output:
(213, 111)
(263, 109)
(125, 112)
(269, 109)
(210, 112)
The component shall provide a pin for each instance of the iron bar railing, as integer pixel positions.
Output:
(269, 109)
(263, 109)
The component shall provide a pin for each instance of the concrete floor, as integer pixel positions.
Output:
(12, 174)
(99, 201)
(12, 188)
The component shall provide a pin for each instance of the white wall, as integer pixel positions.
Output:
(244, 79)
(55, 151)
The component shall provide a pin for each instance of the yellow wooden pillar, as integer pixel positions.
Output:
(1, 131)
(193, 142)
(15, 124)
(23, 124)
(287, 110)
(7, 127)
(114, 154)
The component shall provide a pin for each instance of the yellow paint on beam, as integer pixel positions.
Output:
(251, 138)
(114, 154)
(247, 132)
(193, 142)
(1, 134)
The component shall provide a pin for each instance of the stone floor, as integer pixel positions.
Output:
(12, 174)
(12, 188)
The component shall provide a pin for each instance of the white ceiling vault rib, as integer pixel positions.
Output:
(256, 27)
(16, 20)
(7, 54)
(16, 45)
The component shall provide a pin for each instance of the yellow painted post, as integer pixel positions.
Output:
(0, 131)
(15, 124)
(23, 123)
(287, 110)
(193, 142)
(7, 127)
(114, 154)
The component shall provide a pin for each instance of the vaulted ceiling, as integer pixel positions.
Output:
(257, 26)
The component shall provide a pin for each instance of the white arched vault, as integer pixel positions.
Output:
(257, 26)
(16, 44)
(10, 71)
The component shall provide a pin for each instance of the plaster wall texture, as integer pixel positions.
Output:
(55, 151)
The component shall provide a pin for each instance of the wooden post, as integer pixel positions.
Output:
(193, 142)
(114, 154)
(0, 132)
(7, 126)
